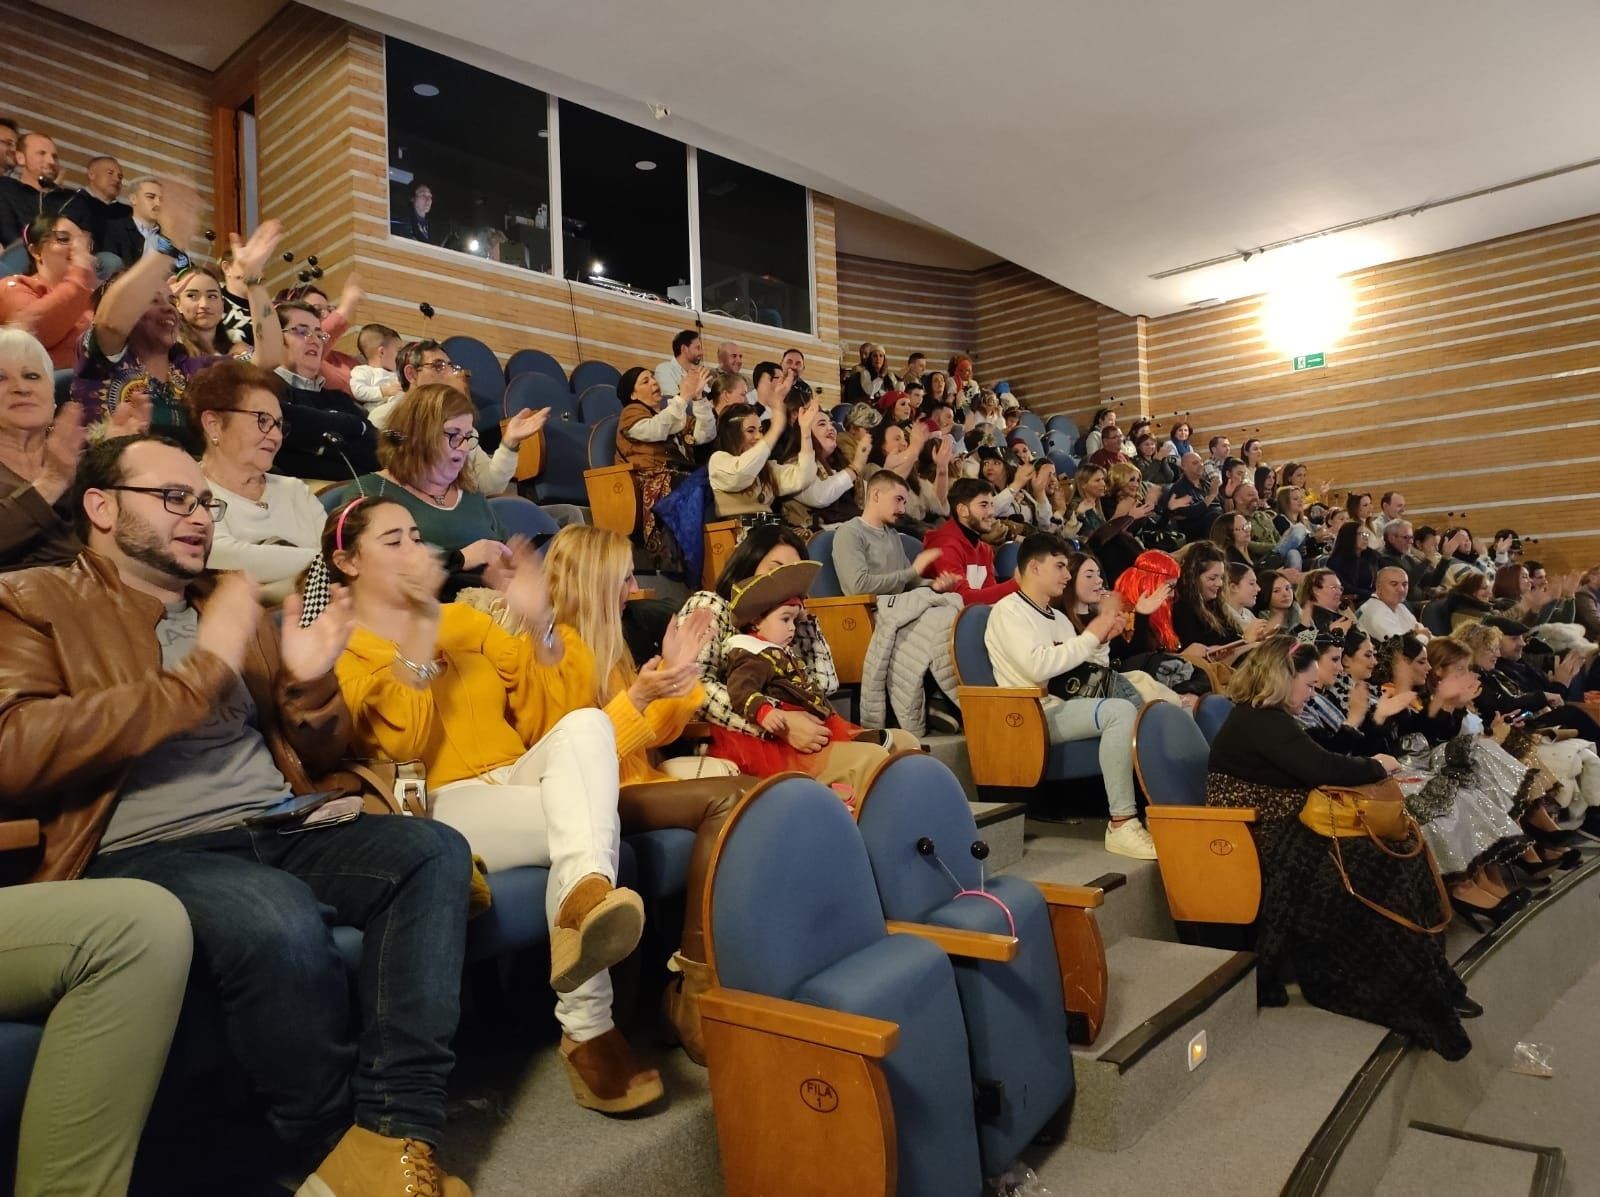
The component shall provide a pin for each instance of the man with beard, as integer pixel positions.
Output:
(31, 192)
(687, 350)
(147, 714)
(961, 546)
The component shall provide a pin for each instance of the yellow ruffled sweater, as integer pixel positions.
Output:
(492, 701)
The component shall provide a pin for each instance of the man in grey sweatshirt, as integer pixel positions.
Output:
(868, 554)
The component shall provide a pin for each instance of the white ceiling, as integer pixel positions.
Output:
(203, 35)
(1095, 143)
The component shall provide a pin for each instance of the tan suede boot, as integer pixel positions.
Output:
(606, 1076)
(596, 926)
(365, 1164)
(680, 1004)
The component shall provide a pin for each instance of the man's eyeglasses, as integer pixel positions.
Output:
(443, 367)
(310, 334)
(264, 422)
(177, 500)
(458, 440)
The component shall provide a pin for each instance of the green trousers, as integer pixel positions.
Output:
(104, 963)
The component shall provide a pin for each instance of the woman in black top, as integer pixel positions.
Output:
(1354, 560)
(1346, 957)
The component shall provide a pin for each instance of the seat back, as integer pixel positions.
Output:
(840, 413)
(534, 390)
(485, 378)
(792, 912)
(973, 667)
(1436, 618)
(1170, 756)
(1005, 561)
(1064, 424)
(1028, 437)
(522, 517)
(912, 546)
(535, 361)
(1014, 1011)
(1056, 440)
(1212, 713)
(594, 374)
(334, 497)
(566, 452)
(603, 443)
(1066, 465)
(597, 402)
(827, 581)
(1030, 419)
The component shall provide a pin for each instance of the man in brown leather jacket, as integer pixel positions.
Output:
(147, 712)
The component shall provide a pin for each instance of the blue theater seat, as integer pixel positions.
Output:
(592, 374)
(535, 361)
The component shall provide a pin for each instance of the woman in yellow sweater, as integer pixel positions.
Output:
(517, 757)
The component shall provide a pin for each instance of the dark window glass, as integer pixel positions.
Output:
(475, 141)
(624, 205)
(754, 255)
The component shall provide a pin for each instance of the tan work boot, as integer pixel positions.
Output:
(681, 1003)
(596, 926)
(365, 1164)
(606, 1076)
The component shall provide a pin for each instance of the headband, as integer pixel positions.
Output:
(338, 531)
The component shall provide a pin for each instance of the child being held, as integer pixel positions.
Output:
(376, 382)
(771, 687)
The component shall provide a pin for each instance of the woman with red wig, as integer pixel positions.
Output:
(1150, 642)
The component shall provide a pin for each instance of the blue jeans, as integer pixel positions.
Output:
(256, 901)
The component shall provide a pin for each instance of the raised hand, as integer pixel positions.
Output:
(1391, 704)
(1022, 477)
(694, 381)
(926, 559)
(251, 257)
(229, 619)
(350, 298)
(657, 680)
(421, 583)
(63, 445)
(946, 582)
(180, 212)
(782, 385)
(809, 414)
(1360, 700)
(524, 424)
(686, 636)
(82, 251)
(310, 652)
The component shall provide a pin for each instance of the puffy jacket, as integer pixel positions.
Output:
(83, 696)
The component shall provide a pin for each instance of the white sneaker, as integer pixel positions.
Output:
(1130, 839)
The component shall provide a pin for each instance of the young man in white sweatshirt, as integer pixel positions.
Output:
(1031, 643)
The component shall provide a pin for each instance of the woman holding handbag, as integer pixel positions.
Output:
(1356, 921)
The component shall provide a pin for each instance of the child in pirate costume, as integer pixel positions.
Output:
(770, 687)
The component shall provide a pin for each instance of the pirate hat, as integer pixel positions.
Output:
(754, 597)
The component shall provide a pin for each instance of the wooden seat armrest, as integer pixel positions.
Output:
(1035, 692)
(954, 941)
(530, 455)
(869, 601)
(1213, 814)
(620, 467)
(1085, 897)
(19, 833)
(870, 1037)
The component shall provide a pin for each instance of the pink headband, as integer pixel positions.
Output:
(338, 531)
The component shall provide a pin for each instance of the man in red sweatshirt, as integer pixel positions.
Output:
(960, 544)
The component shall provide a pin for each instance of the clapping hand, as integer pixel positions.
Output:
(82, 251)
(1022, 477)
(1391, 704)
(945, 582)
(421, 582)
(1257, 630)
(926, 559)
(1567, 667)
(658, 680)
(309, 652)
(1151, 603)
(132, 414)
(1360, 700)
(251, 257)
(1179, 502)
(63, 445)
(694, 382)
(180, 212)
(527, 592)
(229, 619)
(807, 420)
(686, 636)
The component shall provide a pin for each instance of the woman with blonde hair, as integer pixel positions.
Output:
(1346, 956)
(591, 576)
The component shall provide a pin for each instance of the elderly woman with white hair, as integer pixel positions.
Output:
(39, 449)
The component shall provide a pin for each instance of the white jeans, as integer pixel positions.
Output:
(556, 805)
(1111, 719)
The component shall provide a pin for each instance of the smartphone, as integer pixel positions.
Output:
(291, 810)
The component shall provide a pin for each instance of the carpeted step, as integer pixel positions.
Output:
(1000, 825)
(1432, 1159)
(1161, 995)
(1074, 854)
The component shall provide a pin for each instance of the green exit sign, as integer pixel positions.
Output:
(1311, 361)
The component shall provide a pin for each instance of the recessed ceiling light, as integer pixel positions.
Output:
(644, 164)
(425, 89)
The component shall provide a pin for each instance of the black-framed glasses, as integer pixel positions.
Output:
(460, 440)
(265, 423)
(179, 501)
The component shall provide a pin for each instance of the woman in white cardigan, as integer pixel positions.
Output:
(743, 479)
(272, 527)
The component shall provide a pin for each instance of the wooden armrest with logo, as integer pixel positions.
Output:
(614, 501)
(845, 622)
(1208, 861)
(1007, 740)
(530, 455)
(872, 1037)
